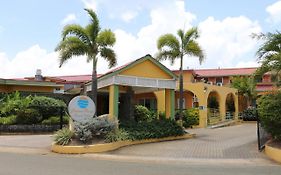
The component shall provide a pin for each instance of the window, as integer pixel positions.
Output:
(178, 103)
(219, 80)
(151, 104)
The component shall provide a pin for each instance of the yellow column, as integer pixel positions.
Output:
(203, 113)
(113, 101)
(170, 103)
(160, 96)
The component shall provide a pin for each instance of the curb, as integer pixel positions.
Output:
(273, 153)
(98, 148)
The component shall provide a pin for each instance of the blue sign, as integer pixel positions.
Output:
(83, 103)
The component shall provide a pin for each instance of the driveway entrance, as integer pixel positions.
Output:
(234, 142)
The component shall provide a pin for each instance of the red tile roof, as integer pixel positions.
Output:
(224, 72)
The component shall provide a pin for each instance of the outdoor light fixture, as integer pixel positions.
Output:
(205, 89)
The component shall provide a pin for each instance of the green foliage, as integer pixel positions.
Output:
(246, 86)
(230, 106)
(249, 114)
(143, 114)
(96, 127)
(117, 135)
(269, 55)
(63, 136)
(213, 103)
(47, 106)
(30, 110)
(269, 109)
(13, 103)
(153, 129)
(190, 117)
(10, 120)
(55, 120)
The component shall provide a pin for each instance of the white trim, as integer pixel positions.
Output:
(136, 81)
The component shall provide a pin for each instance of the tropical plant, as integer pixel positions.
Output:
(141, 113)
(63, 136)
(246, 86)
(269, 55)
(171, 48)
(269, 110)
(90, 41)
(117, 135)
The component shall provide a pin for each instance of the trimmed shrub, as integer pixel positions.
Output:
(63, 136)
(55, 120)
(162, 115)
(153, 129)
(10, 120)
(28, 116)
(269, 110)
(249, 114)
(47, 106)
(117, 135)
(141, 113)
(190, 117)
(96, 127)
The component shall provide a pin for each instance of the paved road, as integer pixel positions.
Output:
(26, 164)
(234, 142)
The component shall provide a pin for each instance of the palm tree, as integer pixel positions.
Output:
(171, 48)
(269, 55)
(90, 41)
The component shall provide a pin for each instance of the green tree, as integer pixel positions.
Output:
(269, 55)
(246, 86)
(90, 41)
(171, 48)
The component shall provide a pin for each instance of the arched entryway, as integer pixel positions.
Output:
(230, 107)
(213, 106)
(190, 100)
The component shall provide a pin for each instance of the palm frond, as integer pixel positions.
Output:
(191, 34)
(193, 49)
(168, 44)
(171, 55)
(106, 38)
(76, 30)
(71, 46)
(94, 27)
(109, 55)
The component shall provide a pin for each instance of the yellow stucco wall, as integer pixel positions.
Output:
(146, 69)
(13, 88)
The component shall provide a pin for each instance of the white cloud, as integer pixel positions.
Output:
(26, 62)
(69, 18)
(228, 41)
(91, 4)
(247, 64)
(128, 16)
(164, 19)
(274, 11)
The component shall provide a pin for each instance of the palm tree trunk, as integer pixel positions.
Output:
(181, 89)
(94, 91)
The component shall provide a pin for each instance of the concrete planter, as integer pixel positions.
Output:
(97, 148)
(273, 153)
(28, 128)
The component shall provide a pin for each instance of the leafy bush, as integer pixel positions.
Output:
(55, 120)
(190, 117)
(249, 114)
(63, 136)
(10, 120)
(47, 106)
(143, 114)
(269, 109)
(153, 129)
(14, 103)
(117, 135)
(28, 116)
(96, 127)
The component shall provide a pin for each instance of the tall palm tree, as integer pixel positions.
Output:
(171, 48)
(269, 55)
(90, 41)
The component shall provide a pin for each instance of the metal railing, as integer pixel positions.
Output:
(262, 135)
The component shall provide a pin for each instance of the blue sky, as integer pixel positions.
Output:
(30, 30)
